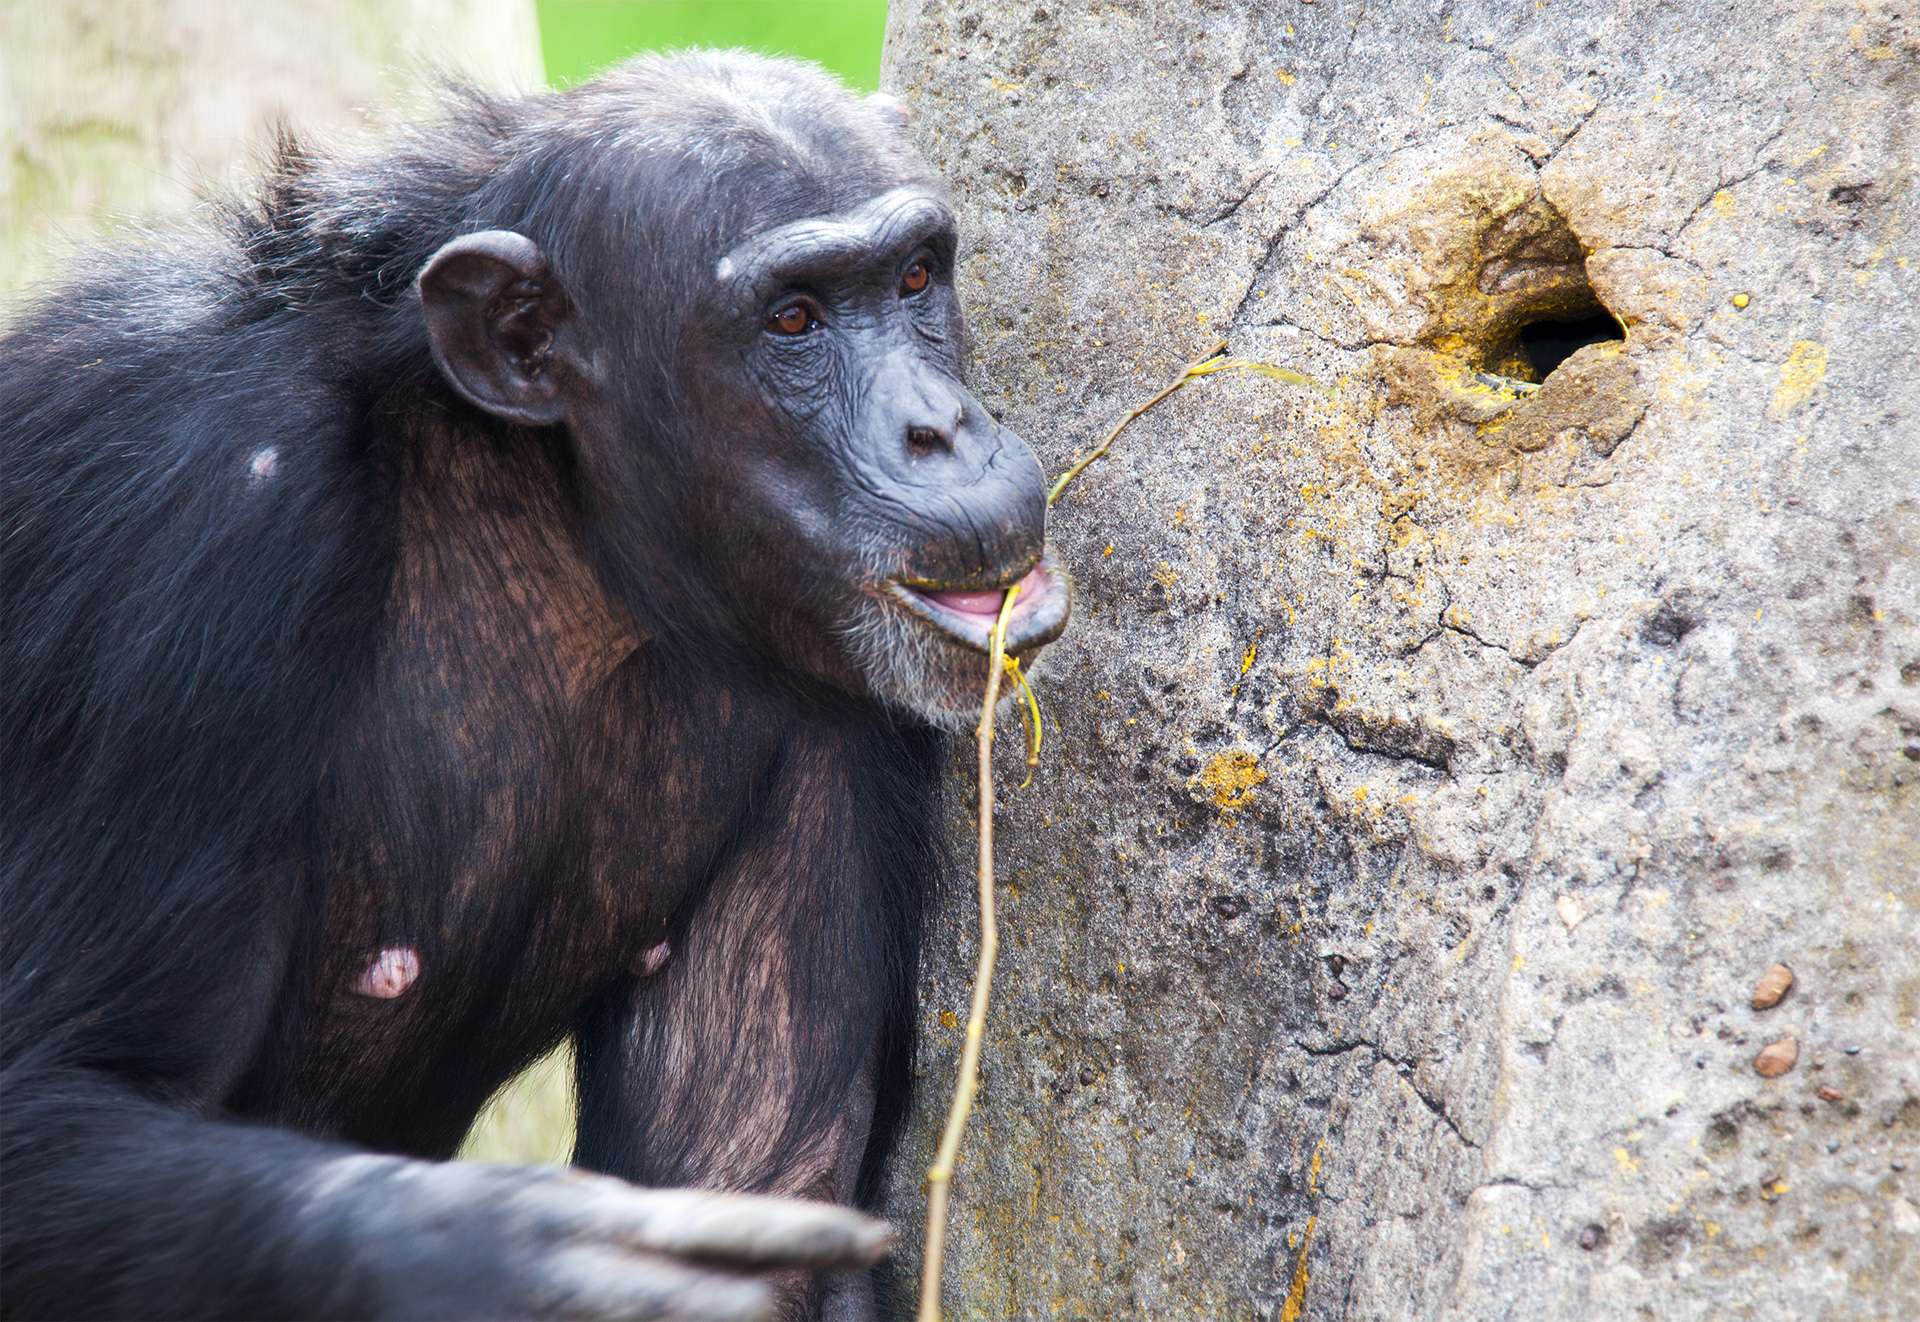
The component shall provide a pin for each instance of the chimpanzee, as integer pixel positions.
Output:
(504, 588)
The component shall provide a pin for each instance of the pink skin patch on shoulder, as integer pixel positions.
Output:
(652, 959)
(393, 971)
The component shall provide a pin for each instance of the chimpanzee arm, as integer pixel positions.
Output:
(768, 1047)
(122, 1207)
(125, 1195)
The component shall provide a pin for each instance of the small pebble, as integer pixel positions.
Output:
(1571, 911)
(1776, 1058)
(1829, 1093)
(1772, 986)
(1853, 1051)
(1741, 300)
(1592, 1237)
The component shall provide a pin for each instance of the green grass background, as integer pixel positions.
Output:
(532, 1117)
(582, 37)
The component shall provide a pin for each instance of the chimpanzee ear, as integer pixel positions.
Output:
(500, 325)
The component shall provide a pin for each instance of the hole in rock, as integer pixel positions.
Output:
(1549, 342)
(1527, 306)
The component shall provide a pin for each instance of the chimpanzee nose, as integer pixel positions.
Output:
(981, 499)
(971, 491)
(935, 437)
(953, 443)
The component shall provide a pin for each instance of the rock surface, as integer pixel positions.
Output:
(1434, 770)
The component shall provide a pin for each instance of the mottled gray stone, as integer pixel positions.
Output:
(1433, 770)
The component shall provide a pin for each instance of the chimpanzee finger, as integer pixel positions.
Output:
(747, 1229)
(768, 1232)
(588, 1283)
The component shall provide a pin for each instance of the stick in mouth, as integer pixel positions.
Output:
(968, 615)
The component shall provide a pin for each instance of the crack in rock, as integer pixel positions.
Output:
(1406, 1070)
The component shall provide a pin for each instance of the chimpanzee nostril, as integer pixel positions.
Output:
(926, 440)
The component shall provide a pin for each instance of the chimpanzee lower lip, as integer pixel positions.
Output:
(1039, 612)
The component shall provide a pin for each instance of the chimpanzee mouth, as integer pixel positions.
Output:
(967, 615)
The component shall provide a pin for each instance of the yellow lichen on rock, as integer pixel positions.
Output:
(1230, 777)
(1800, 375)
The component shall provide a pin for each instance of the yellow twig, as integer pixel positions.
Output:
(940, 1175)
(1031, 712)
(1274, 370)
(1081, 464)
(1213, 360)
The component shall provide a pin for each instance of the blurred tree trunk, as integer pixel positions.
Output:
(1435, 770)
(115, 112)
(118, 116)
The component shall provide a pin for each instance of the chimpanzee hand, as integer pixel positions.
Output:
(463, 1240)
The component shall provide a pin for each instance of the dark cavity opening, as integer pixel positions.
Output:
(1548, 343)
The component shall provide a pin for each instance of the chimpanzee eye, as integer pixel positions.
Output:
(793, 319)
(915, 279)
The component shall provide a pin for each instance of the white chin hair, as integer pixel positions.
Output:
(912, 669)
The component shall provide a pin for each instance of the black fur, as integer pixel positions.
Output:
(414, 685)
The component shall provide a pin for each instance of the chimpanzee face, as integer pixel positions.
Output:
(749, 331)
(826, 498)
(893, 510)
